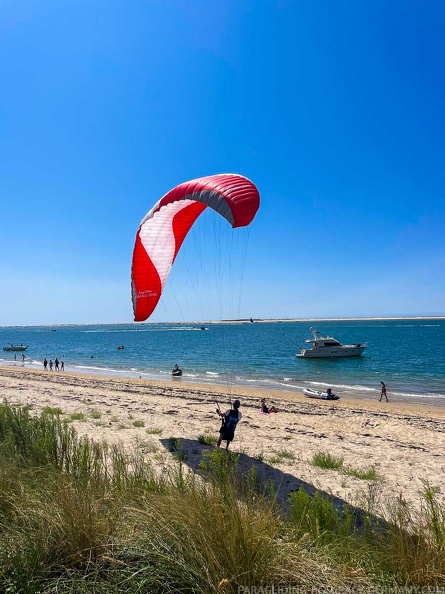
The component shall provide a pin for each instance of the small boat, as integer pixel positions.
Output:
(320, 395)
(121, 347)
(176, 371)
(15, 347)
(326, 346)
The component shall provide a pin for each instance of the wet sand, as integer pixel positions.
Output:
(403, 442)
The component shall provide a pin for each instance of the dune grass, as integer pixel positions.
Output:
(329, 462)
(153, 431)
(77, 416)
(85, 517)
(281, 457)
(52, 410)
(207, 439)
(364, 474)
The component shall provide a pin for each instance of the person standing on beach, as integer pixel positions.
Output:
(62, 366)
(56, 364)
(383, 392)
(45, 364)
(50, 364)
(230, 420)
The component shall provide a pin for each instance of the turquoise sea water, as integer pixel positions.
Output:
(408, 355)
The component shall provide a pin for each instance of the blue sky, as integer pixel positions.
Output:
(335, 110)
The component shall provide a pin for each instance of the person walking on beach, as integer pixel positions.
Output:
(62, 366)
(383, 392)
(45, 364)
(230, 420)
(23, 358)
(50, 364)
(56, 364)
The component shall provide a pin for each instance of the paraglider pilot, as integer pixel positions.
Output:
(230, 420)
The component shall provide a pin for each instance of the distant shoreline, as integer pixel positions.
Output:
(268, 320)
(238, 321)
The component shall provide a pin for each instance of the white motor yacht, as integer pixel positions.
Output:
(326, 346)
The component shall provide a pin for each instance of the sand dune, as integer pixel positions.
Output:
(403, 442)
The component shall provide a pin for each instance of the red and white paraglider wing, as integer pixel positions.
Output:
(164, 228)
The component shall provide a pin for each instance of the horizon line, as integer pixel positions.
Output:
(237, 320)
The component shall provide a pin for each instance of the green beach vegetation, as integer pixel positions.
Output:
(138, 423)
(327, 461)
(52, 410)
(207, 438)
(330, 462)
(282, 457)
(87, 517)
(76, 416)
(154, 431)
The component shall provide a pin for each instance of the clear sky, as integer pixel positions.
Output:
(334, 109)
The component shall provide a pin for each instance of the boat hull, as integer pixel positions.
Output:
(15, 348)
(344, 351)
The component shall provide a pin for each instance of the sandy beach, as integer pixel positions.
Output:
(403, 442)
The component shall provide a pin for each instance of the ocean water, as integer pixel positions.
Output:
(408, 355)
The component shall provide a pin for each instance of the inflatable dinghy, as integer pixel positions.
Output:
(320, 395)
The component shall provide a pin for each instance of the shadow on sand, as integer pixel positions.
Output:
(284, 483)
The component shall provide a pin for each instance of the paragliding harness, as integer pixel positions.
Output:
(228, 424)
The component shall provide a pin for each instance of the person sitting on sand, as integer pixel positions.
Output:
(230, 420)
(266, 409)
(383, 392)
